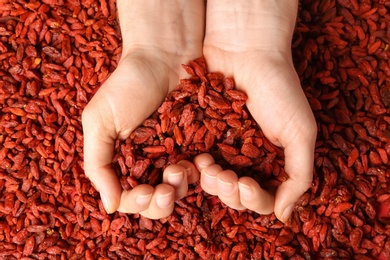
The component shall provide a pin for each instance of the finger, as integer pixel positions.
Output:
(162, 202)
(209, 170)
(203, 160)
(208, 179)
(255, 198)
(299, 157)
(227, 189)
(98, 154)
(191, 171)
(175, 175)
(136, 200)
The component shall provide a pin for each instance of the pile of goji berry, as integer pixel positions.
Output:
(55, 54)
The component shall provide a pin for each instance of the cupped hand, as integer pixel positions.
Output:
(251, 41)
(165, 36)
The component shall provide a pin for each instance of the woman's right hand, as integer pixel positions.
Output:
(164, 36)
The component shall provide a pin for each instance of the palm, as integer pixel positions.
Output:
(275, 98)
(277, 103)
(128, 97)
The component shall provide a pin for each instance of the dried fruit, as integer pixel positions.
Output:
(53, 56)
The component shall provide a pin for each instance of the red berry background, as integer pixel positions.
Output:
(54, 55)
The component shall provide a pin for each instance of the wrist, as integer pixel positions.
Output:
(173, 27)
(251, 25)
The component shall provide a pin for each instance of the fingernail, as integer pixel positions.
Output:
(245, 191)
(176, 178)
(202, 166)
(210, 181)
(287, 213)
(143, 200)
(165, 200)
(226, 188)
(105, 202)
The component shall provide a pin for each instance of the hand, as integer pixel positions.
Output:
(251, 41)
(165, 36)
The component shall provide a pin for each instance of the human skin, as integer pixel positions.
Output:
(248, 40)
(251, 42)
(158, 36)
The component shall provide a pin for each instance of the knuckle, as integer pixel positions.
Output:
(313, 128)
(306, 185)
(87, 114)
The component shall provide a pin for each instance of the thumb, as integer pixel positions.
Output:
(98, 155)
(299, 157)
